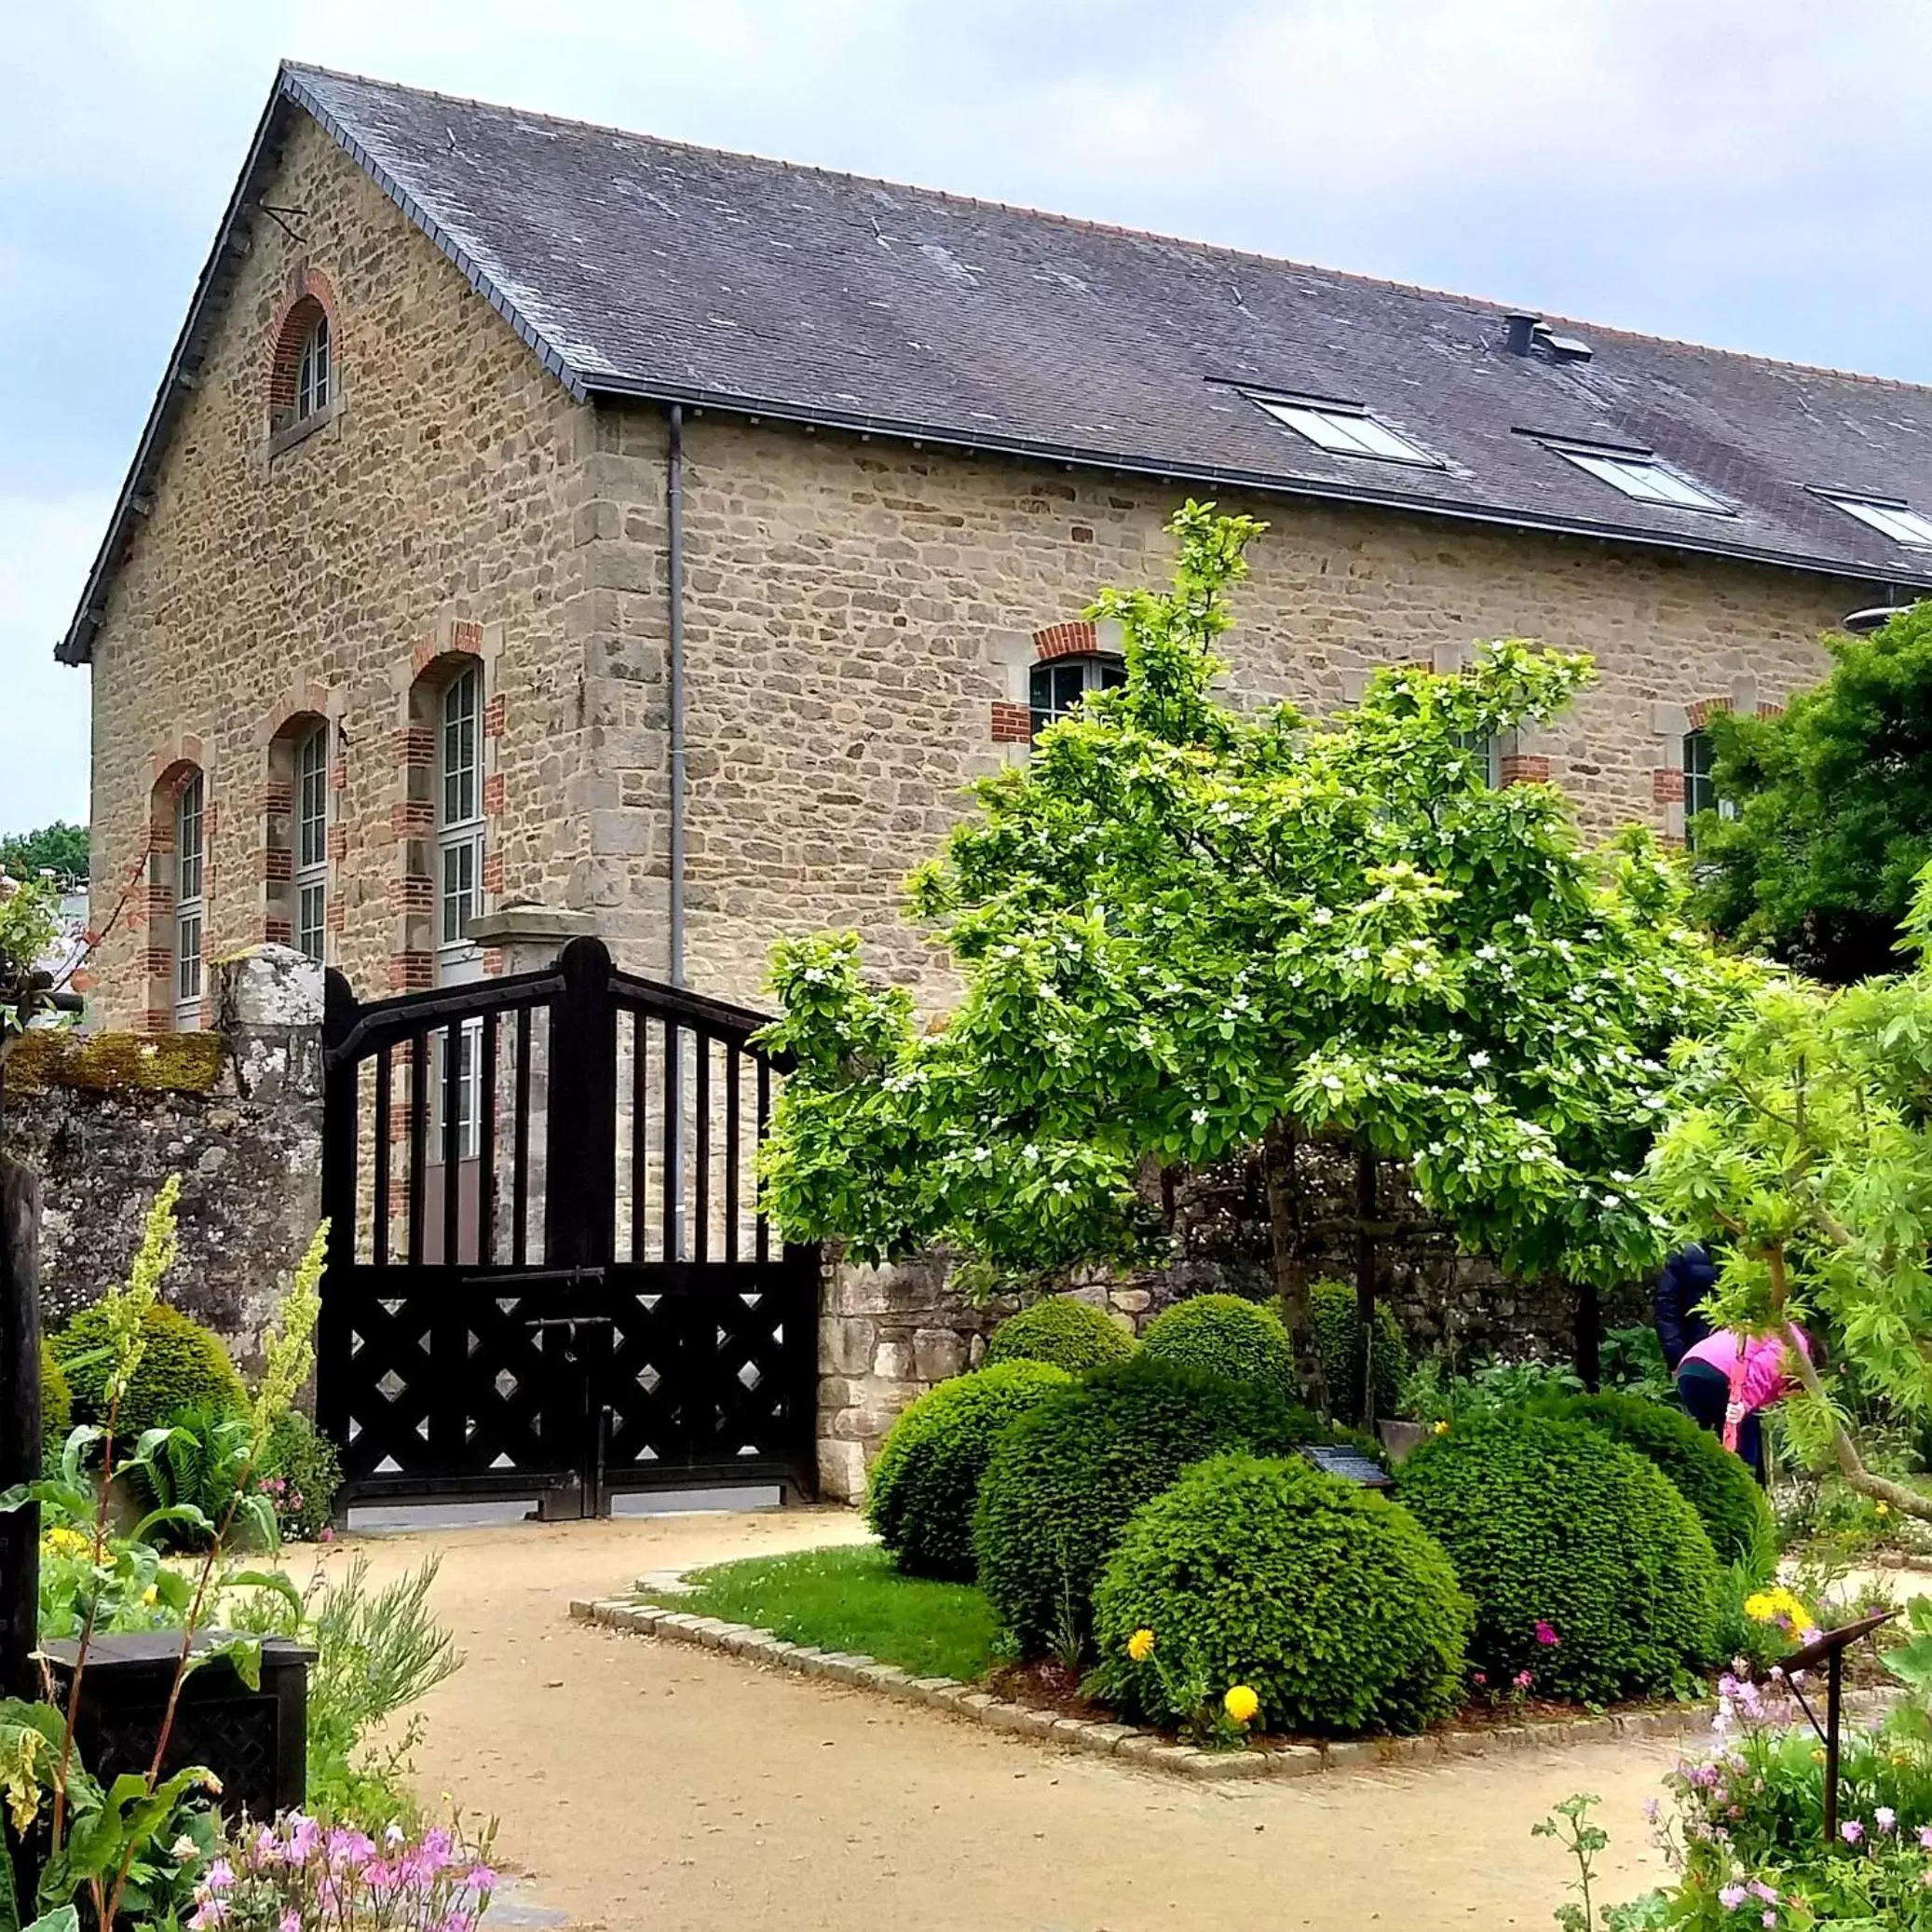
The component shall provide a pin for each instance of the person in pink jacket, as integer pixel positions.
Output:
(1727, 1380)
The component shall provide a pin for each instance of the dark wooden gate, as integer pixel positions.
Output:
(547, 1275)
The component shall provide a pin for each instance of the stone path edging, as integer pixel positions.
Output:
(1131, 1743)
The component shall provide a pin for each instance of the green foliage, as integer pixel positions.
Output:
(1631, 1363)
(1433, 1393)
(30, 922)
(920, 1496)
(1715, 1483)
(1833, 804)
(1071, 1335)
(1554, 1521)
(855, 1599)
(59, 848)
(1064, 1479)
(379, 1652)
(1224, 1334)
(203, 1462)
(1187, 929)
(1338, 1338)
(1801, 1148)
(1571, 1826)
(56, 1402)
(1327, 1601)
(300, 1473)
(182, 1367)
(1759, 1642)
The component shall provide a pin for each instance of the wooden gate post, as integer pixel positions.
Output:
(580, 1161)
(19, 1425)
(339, 1189)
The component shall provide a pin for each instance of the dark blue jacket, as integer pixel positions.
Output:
(1687, 1277)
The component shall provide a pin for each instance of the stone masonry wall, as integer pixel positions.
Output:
(427, 520)
(236, 1113)
(855, 612)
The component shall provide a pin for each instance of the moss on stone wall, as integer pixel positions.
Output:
(117, 1063)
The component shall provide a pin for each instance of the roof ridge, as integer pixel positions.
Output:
(1090, 226)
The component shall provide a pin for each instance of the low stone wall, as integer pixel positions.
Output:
(236, 1112)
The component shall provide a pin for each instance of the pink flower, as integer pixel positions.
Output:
(1851, 1830)
(328, 1535)
(1478, 1676)
(1767, 1917)
(1524, 1679)
(1732, 1897)
(1884, 1818)
(291, 1921)
(1925, 1838)
(220, 1876)
(1650, 1810)
(1546, 1633)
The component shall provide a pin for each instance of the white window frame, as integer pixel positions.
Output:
(1699, 777)
(310, 838)
(1344, 429)
(1100, 671)
(1890, 516)
(459, 820)
(314, 373)
(1643, 478)
(190, 901)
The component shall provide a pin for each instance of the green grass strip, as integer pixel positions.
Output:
(852, 1598)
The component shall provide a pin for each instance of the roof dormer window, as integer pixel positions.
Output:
(1640, 474)
(1344, 429)
(1890, 516)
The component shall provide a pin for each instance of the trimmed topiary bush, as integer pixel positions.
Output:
(1068, 1334)
(1062, 1480)
(1338, 1339)
(182, 1366)
(1328, 1601)
(56, 1403)
(300, 1474)
(1225, 1335)
(923, 1487)
(1734, 1511)
(1555, 1522)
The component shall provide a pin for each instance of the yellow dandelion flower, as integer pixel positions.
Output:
(1140, 1646)
(1442, 1428)
(63, 1542)
(1241, 1703)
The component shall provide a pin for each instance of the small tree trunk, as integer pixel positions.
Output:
(1364, 1392)
(20, 1425)
(1278, 1162)
(1589, 1337)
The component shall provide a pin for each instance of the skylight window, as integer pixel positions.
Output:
(1898, 521)
(1344, 431)
(1642, 477)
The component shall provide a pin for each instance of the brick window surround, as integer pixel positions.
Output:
(176, 763)
(1672, 724)
(308, 298)
(453, 646)
(290, 722)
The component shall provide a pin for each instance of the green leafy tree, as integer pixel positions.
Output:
(60, 849)
(1186, 930)
(1830, 809)
(1803, 1145)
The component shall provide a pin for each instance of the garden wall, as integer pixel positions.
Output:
(237, 1113)
(887, 1335)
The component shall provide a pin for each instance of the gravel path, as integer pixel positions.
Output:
(653, 1788)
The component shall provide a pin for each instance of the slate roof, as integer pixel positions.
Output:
(642, 269)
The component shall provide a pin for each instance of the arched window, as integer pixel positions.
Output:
(459, 820)
(311, 841)
(1059, 683)
(190, 902)
(312, 386)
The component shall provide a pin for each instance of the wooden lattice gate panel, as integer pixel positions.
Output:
(548, 1273)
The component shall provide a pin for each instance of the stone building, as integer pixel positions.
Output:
(535, 511)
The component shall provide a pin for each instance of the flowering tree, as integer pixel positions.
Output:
(1186, 930)
(1803, 1148)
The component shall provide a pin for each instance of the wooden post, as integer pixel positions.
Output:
(1589, 1337)
(340, 1103)
(580, 1214)
(1364, 1284)
(19, 1425)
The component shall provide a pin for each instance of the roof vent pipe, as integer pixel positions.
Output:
(1520, 330)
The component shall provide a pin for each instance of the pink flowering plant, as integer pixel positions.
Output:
(297, 1875)
(1520, 1685)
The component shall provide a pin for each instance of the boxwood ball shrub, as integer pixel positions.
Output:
(1329, 1602)
(1225, 1335)
(1070, 1334)
(300, 1474)
(925, 1484)
(1064, 1479)
(1338, 1339)
(182, 1366)
(56, 1402)
(1555, 1522)
(1734, 1511)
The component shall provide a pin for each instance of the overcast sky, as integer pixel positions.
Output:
(1752, 173)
